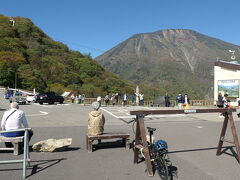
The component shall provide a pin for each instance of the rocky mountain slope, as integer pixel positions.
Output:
(174, 60)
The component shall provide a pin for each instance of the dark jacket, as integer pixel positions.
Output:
(179, 99)
(220, 101)
(188, 101)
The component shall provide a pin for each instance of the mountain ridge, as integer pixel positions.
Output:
(169, 61)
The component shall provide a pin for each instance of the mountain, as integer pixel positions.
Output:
(172, 61)
(31, 59)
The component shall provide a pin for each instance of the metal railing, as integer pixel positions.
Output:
(149, 103)
(26, 156)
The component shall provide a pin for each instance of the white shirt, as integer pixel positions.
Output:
(125, 97)
(15, 121)
(99, 98)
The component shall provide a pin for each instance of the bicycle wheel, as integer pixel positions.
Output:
(161, 167)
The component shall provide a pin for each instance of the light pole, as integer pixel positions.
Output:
(15, 80)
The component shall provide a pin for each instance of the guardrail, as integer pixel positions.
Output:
(26, 158)
(150, 103)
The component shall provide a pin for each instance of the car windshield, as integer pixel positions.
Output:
(18, 94)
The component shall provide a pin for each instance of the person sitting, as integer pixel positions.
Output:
(96, 120)
(14, 119)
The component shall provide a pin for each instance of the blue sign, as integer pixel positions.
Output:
(190, 111)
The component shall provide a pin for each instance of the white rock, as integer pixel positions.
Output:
(52, 145)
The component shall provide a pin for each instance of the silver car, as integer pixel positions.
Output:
(18, 97)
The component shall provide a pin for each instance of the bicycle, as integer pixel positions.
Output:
(158, 152)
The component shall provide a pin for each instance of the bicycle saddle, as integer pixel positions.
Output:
(151, 129)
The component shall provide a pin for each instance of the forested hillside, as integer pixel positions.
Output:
(34, 60)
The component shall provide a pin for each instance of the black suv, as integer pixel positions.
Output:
(49, 97)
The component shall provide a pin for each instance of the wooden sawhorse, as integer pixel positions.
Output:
(141, 142)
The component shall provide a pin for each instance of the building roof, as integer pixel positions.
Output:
(228, 65)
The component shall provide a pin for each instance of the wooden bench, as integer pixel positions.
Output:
(16, 141)
(123, 136)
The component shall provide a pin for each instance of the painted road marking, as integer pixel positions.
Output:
(109, 113)
(42, 114)
(153, 116)
(149, 116)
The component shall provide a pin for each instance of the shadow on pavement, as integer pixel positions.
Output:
(233, 153)
(224, 151)
(60, 150)
(38, 166)
(43, 164)
(107, 145)
(71, 149)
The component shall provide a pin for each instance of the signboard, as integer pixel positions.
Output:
(190, 111)
(229, 87)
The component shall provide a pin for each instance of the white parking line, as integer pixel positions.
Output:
(42, 114)
(154, 116)
(109, 113)
(149, 116)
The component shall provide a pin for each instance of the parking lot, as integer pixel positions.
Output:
(192, 141)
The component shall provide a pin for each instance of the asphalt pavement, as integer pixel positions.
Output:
(192, 141)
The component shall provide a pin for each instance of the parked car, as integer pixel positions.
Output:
(31, 98)
(18, 97)
(49, 97)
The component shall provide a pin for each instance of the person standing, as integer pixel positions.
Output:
(14, 119)
(83, 99)
(167, 100)
(99, 99)
(124, 99)
(116, 98)
(106, 99)
(226, 101)
(220, 101)
(132, 98)
(141, 99)
(179, 100)
(80, 99)
(186, 101)
(72, 98)
(113, 100)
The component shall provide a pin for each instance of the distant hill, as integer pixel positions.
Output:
(174, 60)
(33, 60)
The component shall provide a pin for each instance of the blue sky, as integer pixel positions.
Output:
(95, 26)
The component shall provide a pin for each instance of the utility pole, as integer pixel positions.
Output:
(137, 95)
(15, 80)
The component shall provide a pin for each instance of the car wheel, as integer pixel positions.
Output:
(61, 102)
(29, 101)
(40, 103)
(50, 102)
